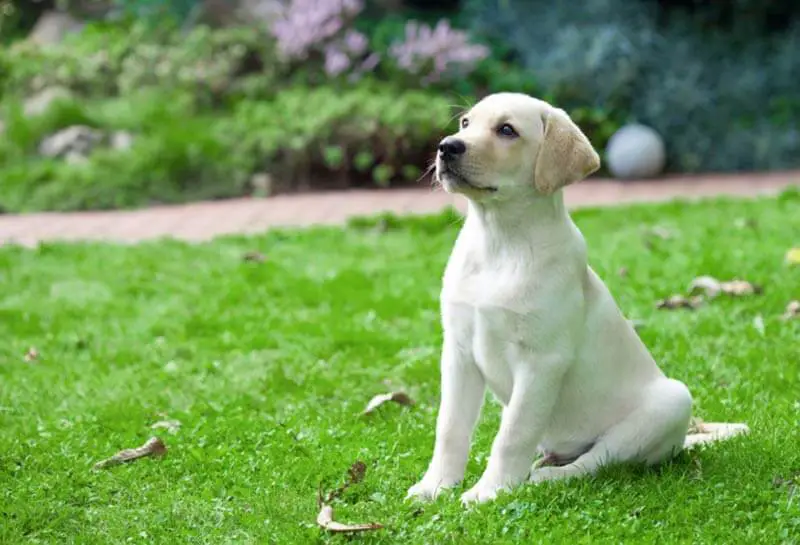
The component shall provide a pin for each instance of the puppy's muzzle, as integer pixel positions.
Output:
(451, 148)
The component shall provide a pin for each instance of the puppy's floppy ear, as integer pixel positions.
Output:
(565, 154)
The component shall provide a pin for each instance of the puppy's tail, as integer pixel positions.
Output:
(701, 433)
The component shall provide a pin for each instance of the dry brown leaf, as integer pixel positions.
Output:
(793, 256)
(740, 287)
(153, 447)
(355, 474)
(172, 426)
(696, 425)
(792, 310)
(31, 355)
(679, 301)
(708, 284)
(713, 287)
(258, 257)
(326, 522)
(398, 397)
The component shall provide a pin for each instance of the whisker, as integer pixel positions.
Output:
(467, 103)
(428, 170)
(459, 112)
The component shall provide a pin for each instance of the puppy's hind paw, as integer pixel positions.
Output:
(557, 473)
(545, 474)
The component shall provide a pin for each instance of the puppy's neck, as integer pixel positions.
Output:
(529, 221)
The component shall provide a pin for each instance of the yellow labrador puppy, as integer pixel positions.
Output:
(527, 318)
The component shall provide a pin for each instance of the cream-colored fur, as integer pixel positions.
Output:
(527, 318)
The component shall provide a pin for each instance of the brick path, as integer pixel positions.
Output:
(203, 221)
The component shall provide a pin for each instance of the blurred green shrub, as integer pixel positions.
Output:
(108, 60)
(718, 85)
(367, 134)
(370, 133)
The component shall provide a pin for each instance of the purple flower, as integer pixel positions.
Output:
(303, 26)
(367, 65)
(336, 61)
(434, 52)
(370, 63)
(355, 42)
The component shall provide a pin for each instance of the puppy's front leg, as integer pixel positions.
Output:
(460, 406)
(535, 392)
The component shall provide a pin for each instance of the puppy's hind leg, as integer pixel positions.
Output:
(653, 432)
(710, 432)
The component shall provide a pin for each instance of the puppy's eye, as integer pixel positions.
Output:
(507, 131)
(464, 123)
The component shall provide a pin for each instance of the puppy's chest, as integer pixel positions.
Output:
(496, 337)
(510, 286)
(498, 313)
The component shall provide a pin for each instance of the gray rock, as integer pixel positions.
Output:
(121, 140)
(41, 101)
(74, 141)
(75, 158)
(53, 26)
(261, 184)
(634, 152)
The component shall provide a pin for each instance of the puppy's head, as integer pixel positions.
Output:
(511, 144)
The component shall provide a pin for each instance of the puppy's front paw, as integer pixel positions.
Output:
(482, 492)
(429, 488)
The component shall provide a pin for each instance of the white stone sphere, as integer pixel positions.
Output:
(635, 151)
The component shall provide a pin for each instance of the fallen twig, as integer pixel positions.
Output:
(153, 447)
(713, 287)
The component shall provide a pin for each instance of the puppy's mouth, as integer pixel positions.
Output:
(448, 176)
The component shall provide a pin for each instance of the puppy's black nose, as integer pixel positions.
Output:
(452, 147)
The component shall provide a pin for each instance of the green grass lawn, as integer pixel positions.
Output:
(267, 365)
